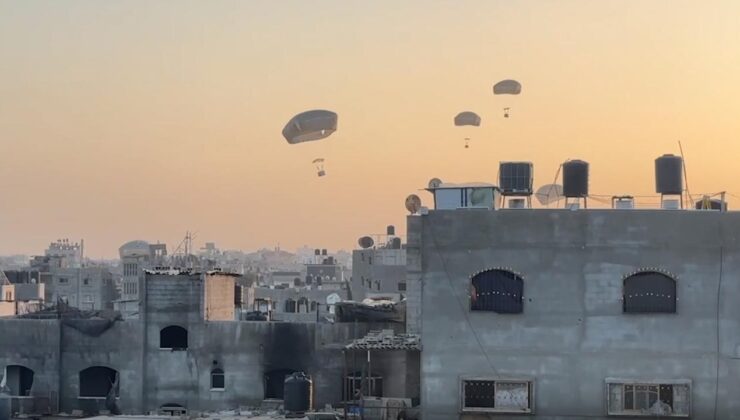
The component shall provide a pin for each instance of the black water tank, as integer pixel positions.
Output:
(669, 174)
(575, 178)
(297, 393)
(390, 230)
(396, 243)
(714, 204)
(515, 178)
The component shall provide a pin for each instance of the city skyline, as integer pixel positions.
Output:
(123, 121)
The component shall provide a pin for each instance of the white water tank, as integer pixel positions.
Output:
(672, 204)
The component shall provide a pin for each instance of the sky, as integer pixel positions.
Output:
(124, 120)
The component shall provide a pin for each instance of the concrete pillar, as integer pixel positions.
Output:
(5, 403)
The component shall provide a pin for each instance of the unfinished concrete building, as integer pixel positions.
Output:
(576, 314)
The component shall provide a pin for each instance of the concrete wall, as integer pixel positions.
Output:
(219, 297)
(572, 334)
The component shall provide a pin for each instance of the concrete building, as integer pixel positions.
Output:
(592, 314)
(379, 272)
(68, 254)
(307, 304)
(89, 288)
(136, 256)
(185, 353)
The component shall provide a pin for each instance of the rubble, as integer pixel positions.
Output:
(386, 340)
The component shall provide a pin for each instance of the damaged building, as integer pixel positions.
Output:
(186, 353)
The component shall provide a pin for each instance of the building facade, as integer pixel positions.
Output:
(593, 314)
(88, 288)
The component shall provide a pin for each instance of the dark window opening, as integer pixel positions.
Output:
(97, 382)
(499, 291)
(401, 286)
(275, 381)
(368, 386)
(171, 409)
(649, 292)
(173, 337)
(502, 396)
(218, 379)
(290, 306)
(19, 379)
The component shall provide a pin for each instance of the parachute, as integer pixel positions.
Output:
(310, 126)
(507, 87)
(319, 166)
(467, 118)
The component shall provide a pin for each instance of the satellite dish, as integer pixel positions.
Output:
(366, 242)
(478, 197)
(413, 203)
(434, 183)
(550, 193)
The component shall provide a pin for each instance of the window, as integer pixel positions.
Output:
(86, 282)
(19, 380)
(88, 298)
(313, 306)
(290, 306)
(8, 296)
(218, 380)
(499, 291)
(649, 292)
(63, 280)
(172, 409)
(401, 286)
(649, 398)
(173, 337)
(371, 385)
(98, 382)
(503, 396)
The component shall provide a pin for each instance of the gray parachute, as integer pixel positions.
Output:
(310, 126)
(467, 118)
(507, 87)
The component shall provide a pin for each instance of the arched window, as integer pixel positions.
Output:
(649, 292)
(98, 381)
(313, 306)
(218, 380)
(499, 291)
(173, 337)
(19, 379)
(290, 306)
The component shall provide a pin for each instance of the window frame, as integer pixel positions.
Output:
(472, 289)
(646, 382)
(505, 380)
(218, 372)
(646, 271)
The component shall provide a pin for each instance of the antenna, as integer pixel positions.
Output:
(685, 175)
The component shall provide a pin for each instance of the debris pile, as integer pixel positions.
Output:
(386, 340)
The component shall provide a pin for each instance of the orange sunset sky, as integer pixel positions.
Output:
(124, 120)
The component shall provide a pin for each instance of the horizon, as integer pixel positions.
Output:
(123, 121)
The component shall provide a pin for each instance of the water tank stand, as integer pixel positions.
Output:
(504, 198)
(578, 201)
(680, 200)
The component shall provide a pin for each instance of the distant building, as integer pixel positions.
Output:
(84, 288)
(136, 256)
(379, 271)
(66, 253)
